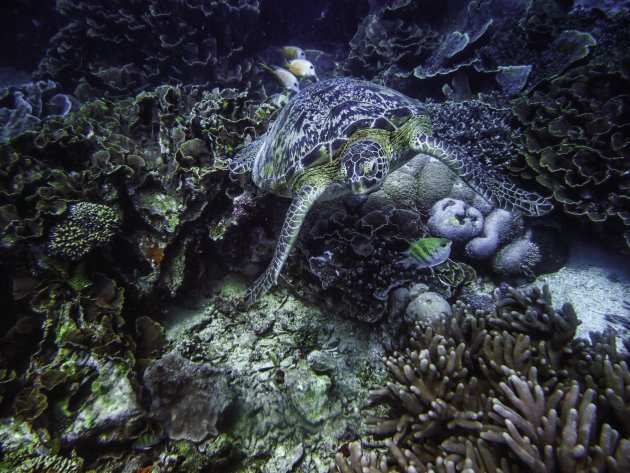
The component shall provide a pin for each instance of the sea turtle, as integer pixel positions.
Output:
(343, 136)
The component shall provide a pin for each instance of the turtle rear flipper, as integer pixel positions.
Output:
(244, 160)
(300, 206)
(485, 182)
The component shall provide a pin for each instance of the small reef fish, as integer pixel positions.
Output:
(285, 78)
(293, 52)
(427, 252)
(301, 68)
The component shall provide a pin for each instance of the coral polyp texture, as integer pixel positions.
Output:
(476, 398)
(87, 226)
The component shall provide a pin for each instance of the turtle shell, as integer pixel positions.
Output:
(318, 120)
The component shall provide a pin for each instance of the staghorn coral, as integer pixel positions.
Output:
(87, 226)
(529, 310)
(475, 399)
(555, 432)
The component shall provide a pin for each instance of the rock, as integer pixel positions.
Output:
(426, 309)
(187, 398)
(309, 395)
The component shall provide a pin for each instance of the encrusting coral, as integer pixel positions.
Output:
(480, 399)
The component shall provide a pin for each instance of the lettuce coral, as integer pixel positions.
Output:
(575, 144)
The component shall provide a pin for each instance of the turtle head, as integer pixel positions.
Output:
(364, 166)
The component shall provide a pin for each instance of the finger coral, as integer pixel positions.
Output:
(476, 399)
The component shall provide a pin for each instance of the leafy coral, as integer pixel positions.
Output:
(354, 259)
(118, 49)
(575, 143)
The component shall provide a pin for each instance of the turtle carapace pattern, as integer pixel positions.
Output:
(344, 136)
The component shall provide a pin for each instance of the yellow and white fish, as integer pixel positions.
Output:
(301, 68)
(293, 52)
(285, 78)
(427, 252)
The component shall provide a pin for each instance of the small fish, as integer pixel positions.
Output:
(301, 68)
(293, 52)
(285, 78)
(427, 252)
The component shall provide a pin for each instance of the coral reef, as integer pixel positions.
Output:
(131, 175)
(155, 157)
(473, 398)
(117, 49)
(86, 227)
(124, 242)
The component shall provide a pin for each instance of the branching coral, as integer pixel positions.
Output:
(530, 310)
(478, 400)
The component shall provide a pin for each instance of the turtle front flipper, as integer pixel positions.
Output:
(487, 183)
(290, 228)
(244, 159)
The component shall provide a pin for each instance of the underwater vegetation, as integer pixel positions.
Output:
(127, 245)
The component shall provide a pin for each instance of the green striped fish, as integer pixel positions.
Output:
(427, 252)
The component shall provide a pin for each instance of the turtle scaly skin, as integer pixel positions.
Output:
(344, 136)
